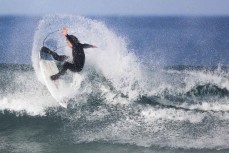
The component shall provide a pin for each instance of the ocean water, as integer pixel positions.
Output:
(153, 85)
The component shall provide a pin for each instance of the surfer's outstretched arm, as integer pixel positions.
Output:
(88, 46)
(72, 39)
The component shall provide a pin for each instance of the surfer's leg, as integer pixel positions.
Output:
(57, 57)
(65, 67)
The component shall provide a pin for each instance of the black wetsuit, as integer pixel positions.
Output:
(77, 53)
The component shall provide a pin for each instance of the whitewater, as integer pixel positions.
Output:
(121, 99)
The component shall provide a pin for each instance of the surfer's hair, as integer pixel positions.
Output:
(73, 39)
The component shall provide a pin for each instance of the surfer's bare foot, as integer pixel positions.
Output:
(54, 77)
(45, 49)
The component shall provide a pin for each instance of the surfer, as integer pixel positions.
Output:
(77, 53)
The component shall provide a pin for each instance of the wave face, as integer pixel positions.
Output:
(120, 100)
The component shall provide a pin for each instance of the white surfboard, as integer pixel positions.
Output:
(57, 87)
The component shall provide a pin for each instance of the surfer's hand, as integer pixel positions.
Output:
(64, 31)
(94, 46)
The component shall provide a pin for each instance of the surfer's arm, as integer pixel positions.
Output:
(64, 32)
(88, 46)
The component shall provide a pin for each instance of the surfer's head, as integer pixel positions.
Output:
(72, 39)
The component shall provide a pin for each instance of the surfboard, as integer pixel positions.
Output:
(57, 87)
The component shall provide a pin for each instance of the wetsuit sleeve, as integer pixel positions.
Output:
(71, 41)
(87, 46)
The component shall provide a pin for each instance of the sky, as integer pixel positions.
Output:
(116, 7)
